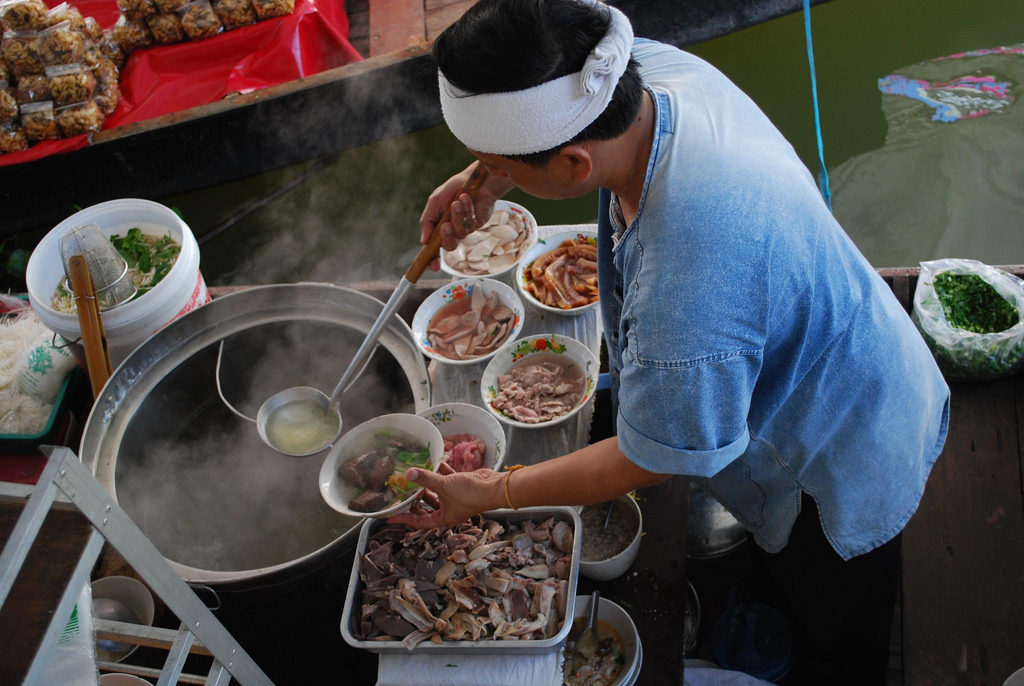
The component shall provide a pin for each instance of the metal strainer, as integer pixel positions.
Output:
(109, 270)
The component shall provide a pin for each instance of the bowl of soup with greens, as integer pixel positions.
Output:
(364, 473)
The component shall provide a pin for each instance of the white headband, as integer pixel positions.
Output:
(545, 116)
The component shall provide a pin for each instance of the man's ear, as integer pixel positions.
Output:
(578, 160)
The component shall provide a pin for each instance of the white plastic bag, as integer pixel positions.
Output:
(46, 368)
(965, 355)
(74, 658)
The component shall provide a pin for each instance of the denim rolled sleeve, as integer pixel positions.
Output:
(687, 418)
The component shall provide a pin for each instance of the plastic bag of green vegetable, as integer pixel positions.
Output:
(970, 314)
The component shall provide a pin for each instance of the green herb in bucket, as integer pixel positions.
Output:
(971, 304)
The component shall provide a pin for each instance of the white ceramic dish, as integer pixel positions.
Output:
(535, 346)
(337, 492)
(458, 290)
(622, 623)
(1015, 679)
(463, 418)
(544, 246)
(134, 594)
(616, 566)
(531, 240)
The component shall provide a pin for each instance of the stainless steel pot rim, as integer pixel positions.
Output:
(170, 347)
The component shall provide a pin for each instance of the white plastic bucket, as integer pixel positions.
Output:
(128, 325)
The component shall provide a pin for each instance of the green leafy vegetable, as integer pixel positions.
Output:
(971, 304)
(969, 326)
(420, 459)
(147, 255)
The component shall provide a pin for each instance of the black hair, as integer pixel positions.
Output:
(499, 46)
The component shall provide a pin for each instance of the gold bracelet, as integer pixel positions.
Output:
(508, 475)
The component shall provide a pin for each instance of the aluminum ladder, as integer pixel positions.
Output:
(66, 474)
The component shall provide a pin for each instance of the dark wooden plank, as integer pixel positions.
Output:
(26, 615)
(378, 289)
(684, 22)
(440, 18)
(1018, 383)
(901, 289)
(903, 281)
(653, 591)
(300, 121)
(359, 31)
(963, 551)
(394, 25)
(257, 132)
(912, 272)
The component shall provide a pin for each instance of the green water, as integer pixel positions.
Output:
(902, 200)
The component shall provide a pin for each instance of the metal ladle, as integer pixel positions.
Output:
(586, 644)
(331, 405)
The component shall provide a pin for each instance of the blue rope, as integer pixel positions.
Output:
(823, 180)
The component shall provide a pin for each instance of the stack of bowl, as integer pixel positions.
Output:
(619, 620)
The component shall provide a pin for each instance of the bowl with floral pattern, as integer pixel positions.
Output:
(539, 381)
(467, 321)
(559, 274)
(496, 248)
(459, 421)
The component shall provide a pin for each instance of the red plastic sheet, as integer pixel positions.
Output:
(170, 78)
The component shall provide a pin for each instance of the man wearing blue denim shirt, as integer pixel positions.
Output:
(751, 346)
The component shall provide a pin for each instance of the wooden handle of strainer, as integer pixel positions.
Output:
(432, 247)
(94, 340)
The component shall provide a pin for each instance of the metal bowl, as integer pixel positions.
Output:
(217, 502)
(711, 530)
(350, 614)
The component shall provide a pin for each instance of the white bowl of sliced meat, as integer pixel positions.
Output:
(467, 321)
(496, 247)
(472, 437)
(539, 381)
(559, 273)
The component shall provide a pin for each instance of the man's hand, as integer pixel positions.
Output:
(467, 216)
(455, 497)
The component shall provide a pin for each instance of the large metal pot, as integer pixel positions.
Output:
(218, 504)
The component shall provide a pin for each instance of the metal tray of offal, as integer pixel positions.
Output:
(488, 646)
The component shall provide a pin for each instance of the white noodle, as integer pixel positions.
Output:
(19, 414)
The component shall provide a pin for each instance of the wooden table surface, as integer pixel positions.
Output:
(963, 550)
(963, 554)
(38, 588)
(654, 590)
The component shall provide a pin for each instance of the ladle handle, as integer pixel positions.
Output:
(370, 342)
(595, 600)
(430, 250)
